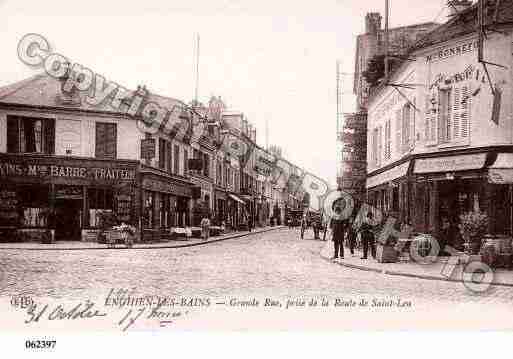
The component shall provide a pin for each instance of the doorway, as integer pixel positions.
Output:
(68, 222)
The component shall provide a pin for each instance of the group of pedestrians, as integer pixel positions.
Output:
(350, 227)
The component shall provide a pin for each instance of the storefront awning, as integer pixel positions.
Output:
(501, 172)
(235, 198)
(390, 175)
(450, 163)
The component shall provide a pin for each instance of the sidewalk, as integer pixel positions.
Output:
(432, 271)
(78, 245)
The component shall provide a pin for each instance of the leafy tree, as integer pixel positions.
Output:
(376, 69)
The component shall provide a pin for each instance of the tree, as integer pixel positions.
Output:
(376, 69)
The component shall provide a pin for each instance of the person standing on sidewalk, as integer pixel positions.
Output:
(338, 228)
(205, 228)
(367, 236)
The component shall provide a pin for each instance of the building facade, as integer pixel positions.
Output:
(444, 146)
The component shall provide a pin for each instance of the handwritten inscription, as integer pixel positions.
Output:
(84, 310)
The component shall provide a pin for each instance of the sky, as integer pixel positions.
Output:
(275, 61)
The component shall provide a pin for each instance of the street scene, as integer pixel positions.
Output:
(258, 163)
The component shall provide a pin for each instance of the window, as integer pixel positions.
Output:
(176, 167)
(164, 154)
(30, 135)
(206, 165)
(380, 144)
(100, 200)
(106, 140)
(388, 142)
(398, 134)
(448, 115)
(375, 147)
(406, 119)
(185, 162)
(444, 116)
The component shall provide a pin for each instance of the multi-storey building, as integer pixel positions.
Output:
(351, 177)
(443, 146)
(64, 161)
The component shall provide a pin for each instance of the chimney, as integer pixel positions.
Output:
(372, 23)
(457, 6)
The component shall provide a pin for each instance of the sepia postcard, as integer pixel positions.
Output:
(253, 166)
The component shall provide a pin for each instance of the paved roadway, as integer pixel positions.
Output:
(272, 264)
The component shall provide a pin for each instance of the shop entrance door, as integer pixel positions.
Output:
(67, 217)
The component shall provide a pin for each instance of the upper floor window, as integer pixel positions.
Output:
(206, 165)
(185, 161)
(165, 155)
(30, 135)
(388, 140)
(447, 118)
(176, 166)
(106, 140)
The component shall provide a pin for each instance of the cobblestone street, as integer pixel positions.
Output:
(271, 264)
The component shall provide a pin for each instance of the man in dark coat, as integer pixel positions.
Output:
(338, 228)
(367, 237)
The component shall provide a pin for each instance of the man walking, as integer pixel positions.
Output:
(338, 227)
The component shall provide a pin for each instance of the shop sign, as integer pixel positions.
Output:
(148, 148)
(457, 50)
(167, 187)
(450, 164)
(500, 176)
(32, 170)
(388, 176)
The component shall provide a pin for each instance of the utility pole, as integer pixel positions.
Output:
(197, 70)
(387, 15)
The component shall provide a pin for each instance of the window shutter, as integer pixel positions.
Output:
(162, 153)
(380, 144)
(398, 127)
(405, 127)
(100, 140)
(49, 136)
(413, 117)
(169, 156)
(111, 144)
(432, 112)
(13, 134)
(456, 114)
(465, 112)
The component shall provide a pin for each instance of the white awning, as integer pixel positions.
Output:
(390, 175)
(450, 163)
(235, 198)
(501, 172)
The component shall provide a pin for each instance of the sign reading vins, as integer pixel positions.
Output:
(34, 170)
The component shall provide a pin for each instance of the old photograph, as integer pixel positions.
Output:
(255, 166)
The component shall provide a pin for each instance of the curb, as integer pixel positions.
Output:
(239, 235)
(408, 275)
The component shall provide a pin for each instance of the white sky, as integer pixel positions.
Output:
(272, 60)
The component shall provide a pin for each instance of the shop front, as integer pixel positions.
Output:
(220, 200)
(389, 191)
(447, 187)
(235, 210)
(63, 197)
(165, 204)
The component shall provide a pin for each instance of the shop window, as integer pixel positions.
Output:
(395, 199)
(100, 200)
(106, 140)
(34, 203)
(148, 209)
(30, 135)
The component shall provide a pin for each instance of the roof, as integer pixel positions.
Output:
(465, 23)
(44, 91)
